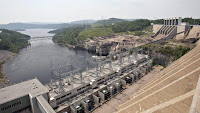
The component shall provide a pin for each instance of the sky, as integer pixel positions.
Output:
(72, 10)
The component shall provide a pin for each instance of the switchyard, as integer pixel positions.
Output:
(82, 91)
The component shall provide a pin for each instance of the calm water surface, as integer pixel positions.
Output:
(36, 60)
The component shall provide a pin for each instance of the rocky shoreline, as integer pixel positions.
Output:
(103, 45)
(76, 47)
(5, 57)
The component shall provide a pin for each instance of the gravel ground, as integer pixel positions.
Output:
(112, 104)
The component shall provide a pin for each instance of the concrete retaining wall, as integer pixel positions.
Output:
(194, 32)
(156, 28)
(181, 28)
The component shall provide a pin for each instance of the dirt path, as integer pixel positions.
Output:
(111, 105)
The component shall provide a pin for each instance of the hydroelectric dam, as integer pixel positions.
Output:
(78, 91)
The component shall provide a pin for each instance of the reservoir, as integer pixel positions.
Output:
(36, 60)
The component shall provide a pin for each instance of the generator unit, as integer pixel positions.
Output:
(113, 90)
(128, 80)
(93, 84)
(119, 86)
(106, 94)
(80, 109)
(90, 104)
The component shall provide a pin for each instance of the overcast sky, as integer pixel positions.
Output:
(71, 10)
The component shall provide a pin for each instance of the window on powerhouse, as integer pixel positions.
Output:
(12, 105)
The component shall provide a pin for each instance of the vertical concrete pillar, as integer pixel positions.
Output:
(132, 76)
(102, 96)
(110, 89)
(123, 83)
(143, 71)
(136, 74)
(164, 21)
(168, 21)
(96, 99)
(72, 109)
(85, 106)
(179, 20)
(118, 86)
(175, 21)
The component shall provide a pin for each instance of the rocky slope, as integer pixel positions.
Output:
(103, 45)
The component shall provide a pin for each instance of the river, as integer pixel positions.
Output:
(38, 59)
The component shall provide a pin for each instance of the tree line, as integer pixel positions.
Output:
(12, 41)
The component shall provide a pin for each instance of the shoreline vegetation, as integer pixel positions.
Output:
(13, 42)
(1, 72)
(3, 77)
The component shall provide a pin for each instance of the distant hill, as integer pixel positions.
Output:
(43, 23)
(16, 26)
(83, 22)
(23, 26)
(110, 21)
(56, 25)
(46, 25)
(130, 19)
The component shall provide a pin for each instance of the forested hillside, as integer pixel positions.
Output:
(192, 21)
(74, 35)
(12, 41)
(109, 21)
(166, 52)
(67, 36)
(95, 32)
(136, 25)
